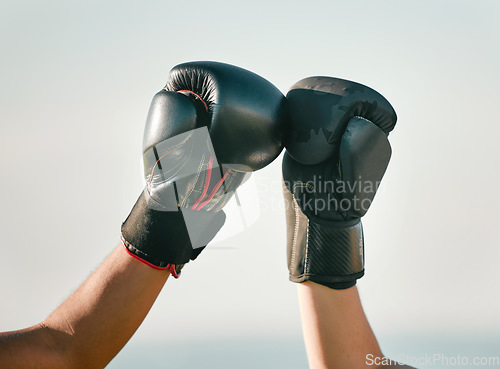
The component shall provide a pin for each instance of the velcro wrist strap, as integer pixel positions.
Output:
(333, 253)
(325, 252)
(168, 237)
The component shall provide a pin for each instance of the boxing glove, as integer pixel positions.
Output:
(209, 126)
(337, 152)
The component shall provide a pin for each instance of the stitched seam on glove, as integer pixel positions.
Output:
(327, 278)
(296, 209)
(138, 254)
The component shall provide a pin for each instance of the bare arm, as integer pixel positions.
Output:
(93, 324)
(336, 331)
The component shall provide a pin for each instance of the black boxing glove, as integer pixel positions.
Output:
(336, 154)
(209, 126)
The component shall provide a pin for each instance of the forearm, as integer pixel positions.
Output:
(336, 331)
(94, 323)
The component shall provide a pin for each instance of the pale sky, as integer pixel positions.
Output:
(76, 83)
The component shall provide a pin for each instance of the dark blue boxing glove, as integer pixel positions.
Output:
(336, 155)
(209, 126)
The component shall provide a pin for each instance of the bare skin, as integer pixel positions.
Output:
(99, 318)
(336, 331)
(93, 324)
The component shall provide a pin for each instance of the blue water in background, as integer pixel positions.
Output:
(289, 352)
(217, 354)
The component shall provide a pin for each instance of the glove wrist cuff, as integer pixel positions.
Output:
(165, 238)
(325, 252)
(333, 253)
(138, 255)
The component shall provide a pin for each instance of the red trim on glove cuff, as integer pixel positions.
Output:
(146, 262)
